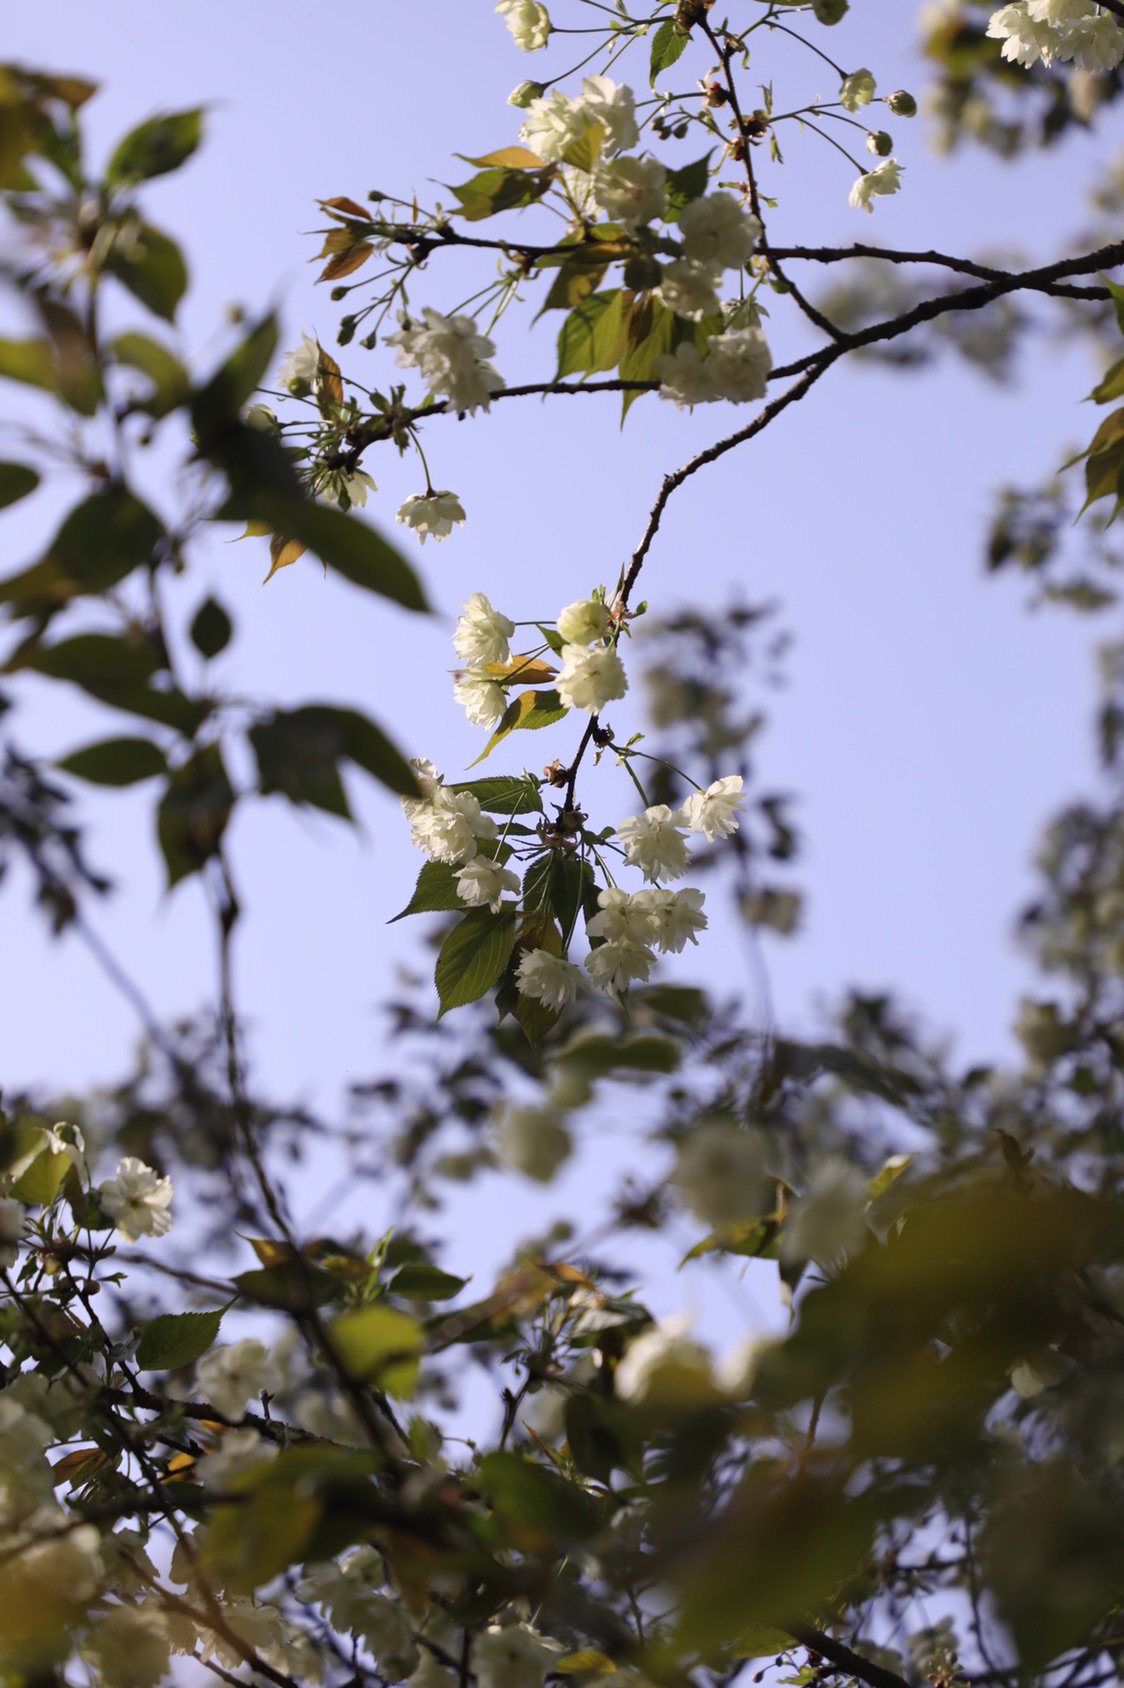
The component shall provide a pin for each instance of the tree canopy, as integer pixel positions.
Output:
(234, 1446)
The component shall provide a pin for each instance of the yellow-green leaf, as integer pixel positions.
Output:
(379, 1345)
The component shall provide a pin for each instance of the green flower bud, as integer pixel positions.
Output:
(880, 142)
(525, 93)
(902, 104)
(830, 11)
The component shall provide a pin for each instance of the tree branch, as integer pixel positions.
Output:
(968, 299)
(936, 260)
(875, 1676)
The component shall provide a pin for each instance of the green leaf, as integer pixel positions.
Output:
(193, 813)
(511, 158)
(298, 751)
(379, 1345)
(29, 361)
(584, 152)
(1104, 462)
(101, 541)
(421, 1282)
(473, 957)
(577, 1664)
(43, 1180)
(761, 1641)
(500, 189)
(592, 1435)
(117, 673)
(579, 276)
(219, 402)
(539, 1511)
(16, 481)
(505, 794)
(265, 489)
(298, 758)
(176, 1339)
(686, 184)
(156, 147)
(170, 384)
(435, 892)
(650, 333)
(151, 266)
(211, 628)
(668, 44)
(529, 711)
(597, 1054)
(1117, 293)
(592, 337)
(116, 761)
(292, 1286)
(367, 746)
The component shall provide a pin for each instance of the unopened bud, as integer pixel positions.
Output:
(346, 331)
(338, 293)
(902, 104)
(880, 142)
(830, 11)
(525, 93)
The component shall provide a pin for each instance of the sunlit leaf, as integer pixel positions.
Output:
(474, 956)
(530, 710)
(668, 44)
(379, 1345)
(176, 1339)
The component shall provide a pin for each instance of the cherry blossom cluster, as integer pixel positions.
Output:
(1076, 32)
(630, 928)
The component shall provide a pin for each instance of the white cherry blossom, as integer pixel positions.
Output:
(236, 1373)
(688, 289)
(582, 622)
(483, 882)
(857, 90)
(613, 966)
(432, 515)
(482, 698)
(138, 1199)
(546, 978)
(884, 178)
(451, 354)
(714, 811)
(482, 633)
(590, 678)
(717, 231)
(675, 917)
(528, 21)
(655, 842)
(631, 190)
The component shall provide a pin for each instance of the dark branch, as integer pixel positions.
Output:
(936, 260)
(875, 1676)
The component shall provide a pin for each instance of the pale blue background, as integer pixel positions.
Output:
(930, 724)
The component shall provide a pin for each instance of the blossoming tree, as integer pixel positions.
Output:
(268, 1478)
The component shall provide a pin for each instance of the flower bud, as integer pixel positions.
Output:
(830, 11)
(525, 93)
(880, 142)
(902, 104)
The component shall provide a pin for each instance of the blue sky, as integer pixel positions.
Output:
(930, 724)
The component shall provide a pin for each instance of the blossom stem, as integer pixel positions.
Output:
(771, 23)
